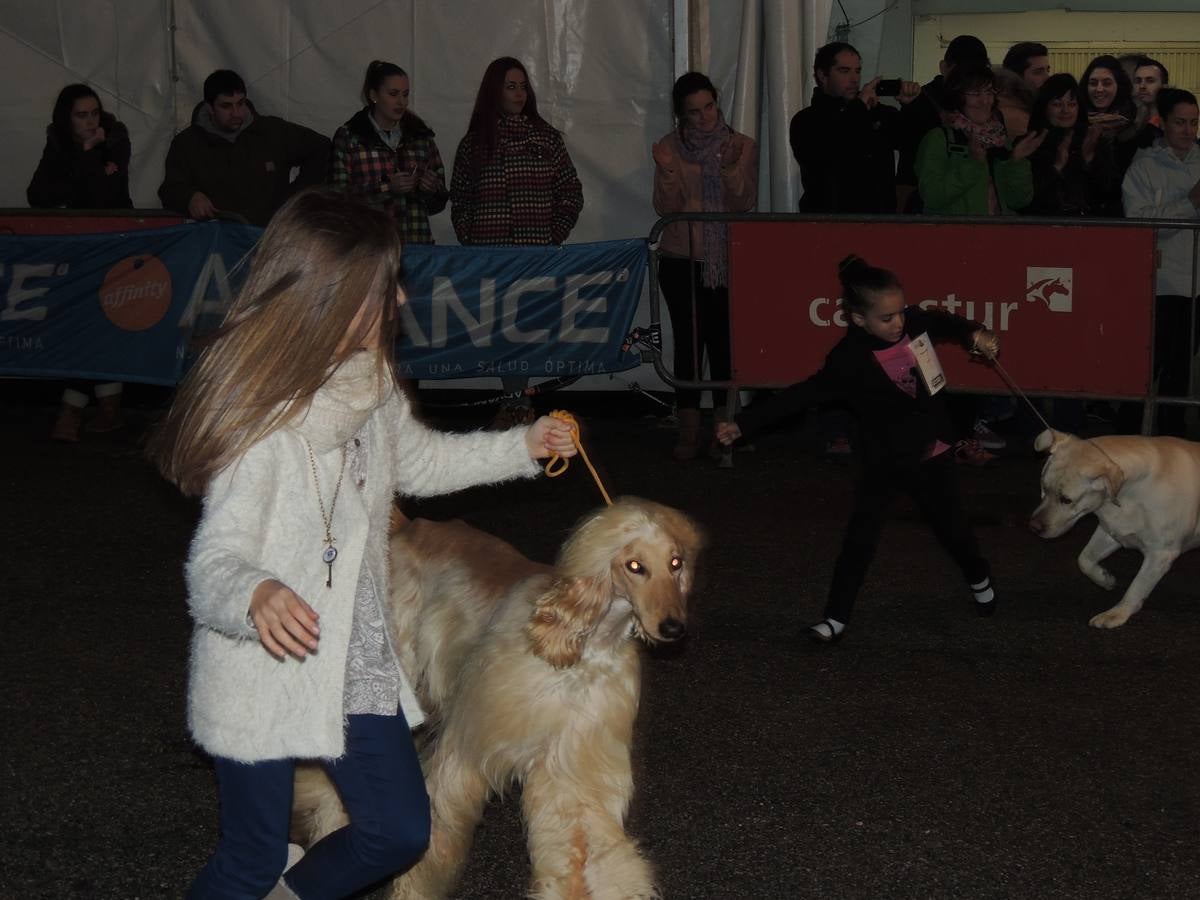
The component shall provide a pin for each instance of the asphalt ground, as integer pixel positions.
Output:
(930, 754)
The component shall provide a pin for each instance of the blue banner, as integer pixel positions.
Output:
(114, 307)
(127, 306)
(537, 311)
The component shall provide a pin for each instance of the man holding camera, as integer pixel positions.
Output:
(845, 141)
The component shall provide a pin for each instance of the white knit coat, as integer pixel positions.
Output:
(261, 521)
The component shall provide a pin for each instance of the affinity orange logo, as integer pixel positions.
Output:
(136, 293)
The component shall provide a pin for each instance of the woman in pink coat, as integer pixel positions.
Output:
(703, 165)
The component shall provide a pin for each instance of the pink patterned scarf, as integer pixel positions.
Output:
(705, 149)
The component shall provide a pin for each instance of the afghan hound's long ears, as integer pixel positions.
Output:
(582, 588)
(565, 615)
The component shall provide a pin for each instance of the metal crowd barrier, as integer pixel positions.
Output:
(1150, 400)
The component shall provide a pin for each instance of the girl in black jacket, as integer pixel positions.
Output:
(907, 435)
(85, 165)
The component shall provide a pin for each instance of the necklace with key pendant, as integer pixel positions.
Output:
(329, 554)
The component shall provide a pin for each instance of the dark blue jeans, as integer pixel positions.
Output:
(379, 780)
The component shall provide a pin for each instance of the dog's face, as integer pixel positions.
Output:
(636, 552)
(1077, 479)
(654, 571)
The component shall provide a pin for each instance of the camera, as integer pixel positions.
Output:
(888, 87)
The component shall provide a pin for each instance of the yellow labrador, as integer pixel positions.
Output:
(1145, 493)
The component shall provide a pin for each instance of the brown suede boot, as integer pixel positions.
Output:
(688, 445)
(109, 417)
(66, 426)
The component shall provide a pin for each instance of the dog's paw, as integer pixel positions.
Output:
(1100, 576)
(1110, 618)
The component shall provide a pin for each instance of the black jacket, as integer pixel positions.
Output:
(846, 155)
(68, 176)
(916, 118)
(248, 176)
(1079, 189)
(895, 429)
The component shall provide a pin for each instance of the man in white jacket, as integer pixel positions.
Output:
(1163, 182)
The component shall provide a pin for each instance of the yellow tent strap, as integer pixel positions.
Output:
(553, 469)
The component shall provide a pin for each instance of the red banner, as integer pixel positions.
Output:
(47, 222)
(1072, 304)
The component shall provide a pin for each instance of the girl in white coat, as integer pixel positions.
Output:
(292, 427)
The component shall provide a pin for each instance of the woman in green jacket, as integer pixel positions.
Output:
(969, 166)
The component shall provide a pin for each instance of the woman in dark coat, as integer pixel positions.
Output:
(1106, 100)
(1074, 171)
(85, 165)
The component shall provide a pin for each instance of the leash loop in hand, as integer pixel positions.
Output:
(559, 464)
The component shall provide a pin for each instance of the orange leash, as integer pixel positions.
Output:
(558, 464)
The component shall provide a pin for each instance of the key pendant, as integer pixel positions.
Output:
(327, 557)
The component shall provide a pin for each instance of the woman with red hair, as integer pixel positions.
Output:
(513, 183)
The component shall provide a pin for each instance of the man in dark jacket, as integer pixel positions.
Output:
(231, 160)
(845, 141)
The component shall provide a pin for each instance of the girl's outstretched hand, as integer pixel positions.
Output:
(728, 432)
(285, 623)
(986, 343)
(549, 436)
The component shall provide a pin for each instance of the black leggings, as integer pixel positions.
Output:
(1172, 358)
(934, 486)
(707, 333)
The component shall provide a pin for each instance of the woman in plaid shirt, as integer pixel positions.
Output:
(386, 155)
(513, 183)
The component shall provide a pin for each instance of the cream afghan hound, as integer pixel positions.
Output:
(532, 676)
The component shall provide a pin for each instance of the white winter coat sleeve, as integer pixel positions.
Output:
(430, 462)
(220, 573)
(1145, 196)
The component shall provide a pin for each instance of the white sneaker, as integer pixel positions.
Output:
(987, 438)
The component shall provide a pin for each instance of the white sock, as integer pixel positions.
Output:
(983, 591)
(829, 628)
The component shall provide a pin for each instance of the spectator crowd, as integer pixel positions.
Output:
(976, 140)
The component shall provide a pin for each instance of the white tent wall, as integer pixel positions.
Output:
(601, 70)
(759, 55)
(120, 48)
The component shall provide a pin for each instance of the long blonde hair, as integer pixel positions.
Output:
(320, 260)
